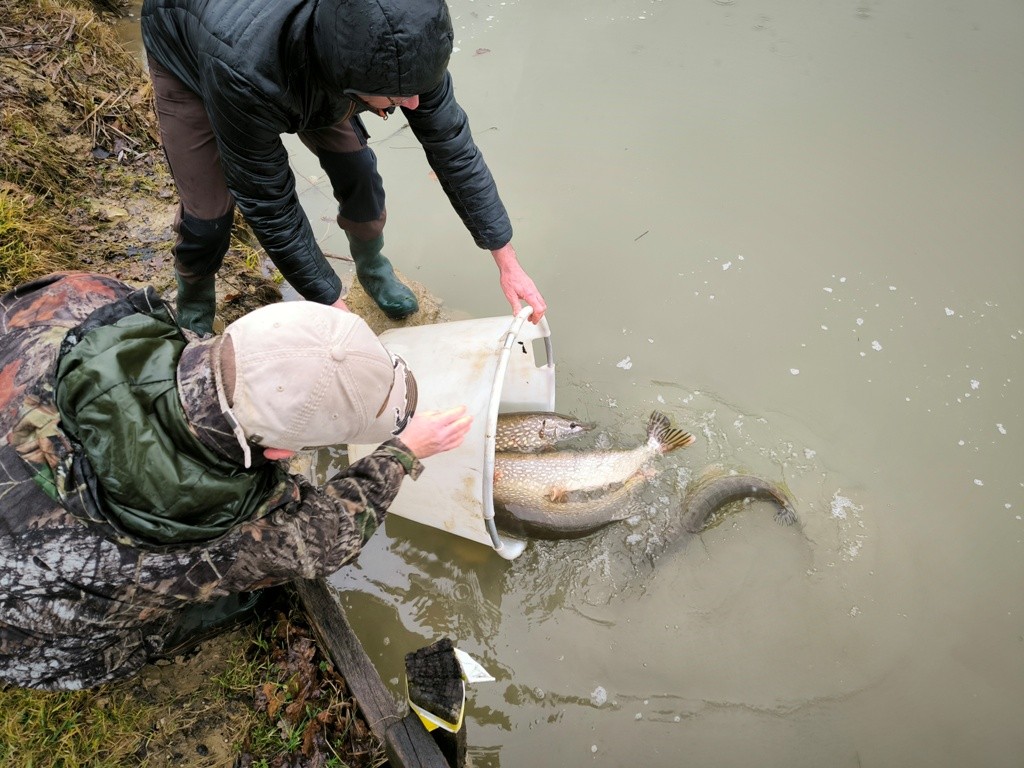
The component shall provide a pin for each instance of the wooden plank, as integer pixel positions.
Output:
(402, 733)
(406, 741)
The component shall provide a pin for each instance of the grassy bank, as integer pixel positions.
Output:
(83, 186)
(77, 136)
(259, 697)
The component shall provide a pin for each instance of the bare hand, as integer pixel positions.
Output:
(517, 285)
(433, 432)
(340, 304)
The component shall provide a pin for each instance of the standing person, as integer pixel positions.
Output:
(143, 496)
(230, 77)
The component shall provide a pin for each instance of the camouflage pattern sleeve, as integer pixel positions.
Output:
(323, 528)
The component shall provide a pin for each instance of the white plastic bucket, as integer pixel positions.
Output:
(489, 366)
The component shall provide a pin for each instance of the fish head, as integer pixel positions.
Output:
(557, 429)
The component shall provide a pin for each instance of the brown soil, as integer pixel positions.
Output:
(284, 704)
(198, 724)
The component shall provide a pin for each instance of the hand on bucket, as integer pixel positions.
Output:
(433, 432)
(517, 285)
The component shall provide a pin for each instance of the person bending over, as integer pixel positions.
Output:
(231, 77)
(145, 494)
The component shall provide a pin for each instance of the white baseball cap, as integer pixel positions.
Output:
(306, 375)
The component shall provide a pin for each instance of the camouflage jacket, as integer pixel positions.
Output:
(81, 602)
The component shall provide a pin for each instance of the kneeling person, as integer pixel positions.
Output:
(142, 481)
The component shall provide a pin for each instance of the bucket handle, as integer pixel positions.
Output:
(507, 548)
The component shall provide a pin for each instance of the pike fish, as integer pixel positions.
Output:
(535, 431)
(715, 488)
(576, 514)
(571, 493)
(711, 491)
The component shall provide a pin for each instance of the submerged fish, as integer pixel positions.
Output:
(576, 514)
(535, 431)
(575, 492)
(715, 489)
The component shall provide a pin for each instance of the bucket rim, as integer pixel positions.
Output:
(506, 546)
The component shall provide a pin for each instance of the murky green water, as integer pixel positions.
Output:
(796, 228)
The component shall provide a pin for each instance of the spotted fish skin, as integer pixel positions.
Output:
(576, 492)
(575, 515)
(536, 431)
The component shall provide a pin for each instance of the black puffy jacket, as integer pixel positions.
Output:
(267, 67)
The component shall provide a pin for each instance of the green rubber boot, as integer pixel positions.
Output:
(197, 301)
(378, 278)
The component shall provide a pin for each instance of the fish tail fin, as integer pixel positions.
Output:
(664, 436)
(786, 515)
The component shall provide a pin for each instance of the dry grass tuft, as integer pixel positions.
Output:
(84, 67)
(32, 239)
(76, 122)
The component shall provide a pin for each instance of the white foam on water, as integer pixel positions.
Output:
(599, 696)
(848, 515)
(634, 539)
(842, 506)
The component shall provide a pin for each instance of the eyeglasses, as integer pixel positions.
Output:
(393, 102)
